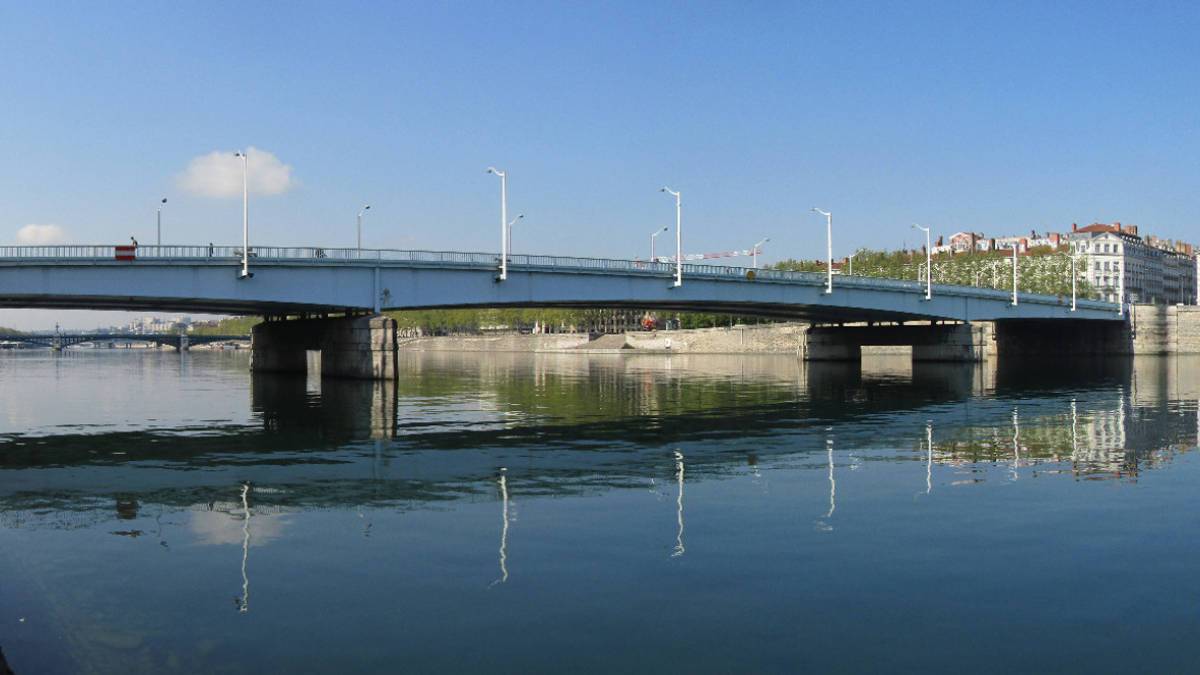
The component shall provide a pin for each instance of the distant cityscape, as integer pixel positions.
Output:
(1115, 259)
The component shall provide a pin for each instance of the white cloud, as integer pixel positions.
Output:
(219, 174)
(38, 235)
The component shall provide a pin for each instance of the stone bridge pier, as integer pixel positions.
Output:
(960, 342)
(362, 347)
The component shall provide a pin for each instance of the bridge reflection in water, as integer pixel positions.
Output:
(483, 431)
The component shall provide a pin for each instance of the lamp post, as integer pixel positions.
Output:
(1071, 257)
(503, 221)
(1014, 264)
(928, 263)
(360, 216)
(678, 235)
(512, 222)
(245, 273)
(653, 236)
(160, 208)
(850, 263)
(828, 249)
(754, 252)
(1121, 288)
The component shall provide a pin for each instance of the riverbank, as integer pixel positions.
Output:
(1149, 330)
(782, 338)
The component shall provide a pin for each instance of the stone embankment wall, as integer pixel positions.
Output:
(1148, 330)
(495, 343)
(764, 339)
(1173, 329)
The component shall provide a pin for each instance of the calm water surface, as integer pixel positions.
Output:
(594, 513)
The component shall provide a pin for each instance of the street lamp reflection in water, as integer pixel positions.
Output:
(679, 549)
(503, 482)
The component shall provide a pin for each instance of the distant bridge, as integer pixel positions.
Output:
(321, 281)
(58, 341)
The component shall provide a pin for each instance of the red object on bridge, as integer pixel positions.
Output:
(126, 253)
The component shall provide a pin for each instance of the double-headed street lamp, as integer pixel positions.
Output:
(245, 273)
(653, 236)
(678, 235)
(754, 252)
(160, 208)
(828, 249)
(850, 263)
(503, 221)
(928, 263)
(360, 217)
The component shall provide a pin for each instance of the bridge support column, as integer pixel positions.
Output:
(359, 347)
(930, 342)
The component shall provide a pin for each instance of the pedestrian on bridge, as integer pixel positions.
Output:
(133, 241)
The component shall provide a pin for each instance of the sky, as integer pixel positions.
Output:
(998, 117)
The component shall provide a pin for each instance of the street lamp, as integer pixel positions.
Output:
(510, 224)
(245, 273)
(928, 264)
(678, 235)
(1015, 246)
(160, 208)
(653, 236)
(828, 249)
(754, 251)
(360, 215)
(503, 221)
(850, 263)
(1071, 257)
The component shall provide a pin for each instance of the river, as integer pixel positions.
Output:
(596, 513)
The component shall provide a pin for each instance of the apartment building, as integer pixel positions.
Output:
(1119, 263)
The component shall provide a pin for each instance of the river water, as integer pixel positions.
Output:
(597, 513)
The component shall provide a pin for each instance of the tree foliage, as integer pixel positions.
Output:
(1040, 270)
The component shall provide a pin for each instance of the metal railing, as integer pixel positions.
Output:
(354, 256)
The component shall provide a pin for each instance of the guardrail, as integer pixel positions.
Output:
(351, 256)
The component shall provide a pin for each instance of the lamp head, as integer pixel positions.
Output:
(367, 207)
(164, 200)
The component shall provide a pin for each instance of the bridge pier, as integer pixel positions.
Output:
(362, 347)
(961, 342)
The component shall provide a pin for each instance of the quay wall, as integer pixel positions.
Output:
(1149, 330)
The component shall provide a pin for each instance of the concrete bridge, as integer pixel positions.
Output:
(314, 283)
(60, 341)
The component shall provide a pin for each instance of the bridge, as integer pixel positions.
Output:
(359, 283)
(59, 341)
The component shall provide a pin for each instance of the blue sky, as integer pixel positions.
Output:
(991, 116)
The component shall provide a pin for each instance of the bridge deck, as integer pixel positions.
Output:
(290, 280)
